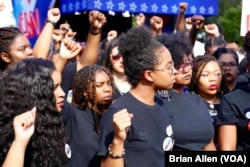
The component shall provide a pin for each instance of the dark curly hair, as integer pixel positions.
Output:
(199, 63)
(28, 84)
(217, 54)
(178, 45)
(7, 36)
(138, 49)
(81, 84)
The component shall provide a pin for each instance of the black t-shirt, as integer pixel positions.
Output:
(242, 79)
(68, 76)
(213, 112)
(235, 109)
(84, 140)
(1, 74)
(191, 122)
(116, 93)
(148, 136)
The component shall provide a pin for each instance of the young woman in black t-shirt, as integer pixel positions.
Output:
(92, 95)
(36, 137)
(136, 126)
(190, 119)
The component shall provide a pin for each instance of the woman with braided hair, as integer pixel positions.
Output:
(92, 94)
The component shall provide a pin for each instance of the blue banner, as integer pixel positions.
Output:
(71, 6)
(204, 7)
(30, 16)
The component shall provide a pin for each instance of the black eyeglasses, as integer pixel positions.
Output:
(116, 57)
(229, 64)
(185, 66)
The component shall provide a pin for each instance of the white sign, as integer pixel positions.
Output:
(245, 17)
(6, 15)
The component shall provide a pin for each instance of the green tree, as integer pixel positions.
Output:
(224, 5)
(229, 16)
(231, 21)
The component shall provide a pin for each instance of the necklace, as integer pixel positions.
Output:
(211, 105)
(212, 111)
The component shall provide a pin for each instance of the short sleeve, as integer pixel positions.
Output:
(227, 113)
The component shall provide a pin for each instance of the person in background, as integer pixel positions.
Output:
(136, 126)
(209, 82)
(214, 40)
(156, 24)
(90, 53)
(234, 119)
(228, 59)
(244, 77)
(190, 26)
(189, 113)
(180, 23)
(112, 34)
(140, 19)
(33, 73)
(14, 46)
(114, 63)
(92, 94)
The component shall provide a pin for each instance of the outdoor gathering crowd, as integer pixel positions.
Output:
(124, 100)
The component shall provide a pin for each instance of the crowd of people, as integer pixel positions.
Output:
(143, 92)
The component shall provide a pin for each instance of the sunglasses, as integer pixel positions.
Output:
(116, 57)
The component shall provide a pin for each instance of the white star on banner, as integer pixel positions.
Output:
(110, 5)
(211, 10)
(164, 8)
(132, 6)
(121, 6)
(77, 5)
(84, 4)
(193, 9)
(202, 10)
(174, 8)
(64, 8)
(144, 7)
(70, 7)
(97, 4)
(154, 8)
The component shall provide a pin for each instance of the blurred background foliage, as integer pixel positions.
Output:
(229, 18)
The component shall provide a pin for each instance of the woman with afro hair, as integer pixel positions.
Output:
(136, 126)
(189, 113)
